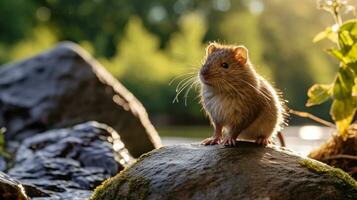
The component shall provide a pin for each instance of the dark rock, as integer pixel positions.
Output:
(73, 160)
(2, 163)
(33, 191)
(11, 189)
(248, 171)
(65, 86)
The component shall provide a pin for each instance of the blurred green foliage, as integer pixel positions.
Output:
(3, 151)
(147, 43)
(343, 90)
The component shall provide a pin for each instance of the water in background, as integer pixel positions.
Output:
(301, 139)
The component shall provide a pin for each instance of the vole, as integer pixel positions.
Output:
(237, 99)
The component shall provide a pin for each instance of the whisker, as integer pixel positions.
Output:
(230, 86)
(219, 87)
(266, 98)
(182, 88)
(188, 90)
(181, 75)
(180, 91)
(186, 83)
(182, 84)
(183, 81)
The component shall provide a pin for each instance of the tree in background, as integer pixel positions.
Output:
(170, 36)
(141, 62)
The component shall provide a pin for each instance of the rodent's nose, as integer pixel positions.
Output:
(204, 70)
(204, 73)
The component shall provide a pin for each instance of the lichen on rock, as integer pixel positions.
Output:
(340, 177)
(135, 187)
(132, 188)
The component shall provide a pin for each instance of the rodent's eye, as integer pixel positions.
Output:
(224, 65)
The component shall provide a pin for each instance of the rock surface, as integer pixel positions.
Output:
(248, 171)
(65, 86)
(70, 163)
(11, 189)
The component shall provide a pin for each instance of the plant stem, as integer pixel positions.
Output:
(312, 117)
(338, 21)
(337, 16)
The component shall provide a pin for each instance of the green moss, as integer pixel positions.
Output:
(147, 154)
(108, 189)
(122, 187)
(138, 188)
(338, 176)
(144, 156)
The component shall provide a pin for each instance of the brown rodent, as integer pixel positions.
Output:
(237, 99)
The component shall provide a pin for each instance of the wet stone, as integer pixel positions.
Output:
(11, 189)
(71, 160)
(66, 86)
(2, 163)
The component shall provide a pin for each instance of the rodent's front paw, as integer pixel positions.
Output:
(212, 141)
(230, 141)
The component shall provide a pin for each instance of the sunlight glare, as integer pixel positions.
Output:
(335, 28)
(256, 7)
(311, 132)
(222, 5)
(118, 146)
(157, 13)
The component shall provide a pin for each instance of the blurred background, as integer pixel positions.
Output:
(145, 44)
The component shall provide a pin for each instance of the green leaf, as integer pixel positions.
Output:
(351, 56)
(338, 91)
(326, 34)
(318, 94)
(344, 89)
(353, 66)
(342, 125)
(342, 109)
(354, 30)
(350, 26)
(347, 77)
(345, 38)
(343, 84)
(354, 90)
(338, 54)
(342, 112)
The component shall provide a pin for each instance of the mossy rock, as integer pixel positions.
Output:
(247, 171)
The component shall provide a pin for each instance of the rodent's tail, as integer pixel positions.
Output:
(281, 138)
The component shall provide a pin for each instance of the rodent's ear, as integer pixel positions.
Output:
(211, 48)
(241, 54)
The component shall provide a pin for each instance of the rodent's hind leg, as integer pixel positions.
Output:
(216, 138)
(263, 140)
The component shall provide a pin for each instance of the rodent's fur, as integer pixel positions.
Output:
(236, 98)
